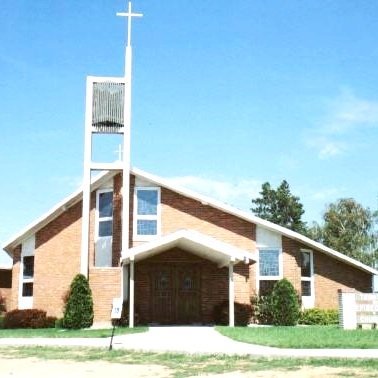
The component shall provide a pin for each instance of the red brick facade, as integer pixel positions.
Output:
(57, 259)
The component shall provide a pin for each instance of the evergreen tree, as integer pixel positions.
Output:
(78, 312)
(280, 206)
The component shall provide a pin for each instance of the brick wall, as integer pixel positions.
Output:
(5, 286)
(331, 275)
(291, 262)
(15, 278)
(57, 260)
(105, 284)
(179, 212)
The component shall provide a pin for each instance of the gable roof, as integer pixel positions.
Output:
(168, 184)
(195, 242)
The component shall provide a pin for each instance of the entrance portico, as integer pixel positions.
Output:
(180, 277)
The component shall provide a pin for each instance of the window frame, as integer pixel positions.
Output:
(308, 301)
(103, 219)
(27, 250)
(154, 217)
(269, 278)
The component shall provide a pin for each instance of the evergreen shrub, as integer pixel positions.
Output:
(284, 304)
(78, 311)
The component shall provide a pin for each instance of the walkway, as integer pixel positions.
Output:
(201, 340)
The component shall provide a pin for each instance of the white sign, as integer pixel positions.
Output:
(116, 308)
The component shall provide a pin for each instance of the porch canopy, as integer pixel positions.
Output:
(220, 253)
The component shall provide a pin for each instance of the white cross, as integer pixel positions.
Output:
(129, 14)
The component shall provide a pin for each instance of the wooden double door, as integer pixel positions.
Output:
(176, 294)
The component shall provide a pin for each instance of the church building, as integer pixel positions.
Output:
(171, 254)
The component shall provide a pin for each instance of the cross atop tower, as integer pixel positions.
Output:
(129, 15)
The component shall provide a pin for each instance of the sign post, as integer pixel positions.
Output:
(115, 315)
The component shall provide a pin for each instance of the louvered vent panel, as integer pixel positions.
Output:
(108, 104)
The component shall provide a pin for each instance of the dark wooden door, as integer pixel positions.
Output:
(176, 294)
(162, 295)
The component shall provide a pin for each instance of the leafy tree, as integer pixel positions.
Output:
(350, 229)
(78, 312)
(280, 206)
(284, 304)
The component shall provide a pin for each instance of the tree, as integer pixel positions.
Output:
(350, 229)
(280, 206)
(78, 312)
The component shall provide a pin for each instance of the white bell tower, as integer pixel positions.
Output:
(108, 111)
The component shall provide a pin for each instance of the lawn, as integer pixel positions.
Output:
(312, 337)
(65, 333)
(185, 365)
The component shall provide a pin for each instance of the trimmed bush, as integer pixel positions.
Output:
(317, 316)
(284, 304)
(78, 312)
(31, 318)
(243, 313)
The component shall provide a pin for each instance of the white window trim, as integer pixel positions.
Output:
(97, 222)
(27, 249)
(310, 300)
(268, 278)
(137, 217)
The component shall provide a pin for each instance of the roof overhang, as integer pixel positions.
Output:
(209, 248)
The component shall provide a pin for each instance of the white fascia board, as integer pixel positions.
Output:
(194, 239)
(253, 219)
(53, 213)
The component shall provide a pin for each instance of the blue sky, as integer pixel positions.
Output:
(226, 95)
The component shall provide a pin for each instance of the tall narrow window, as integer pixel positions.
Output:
(28, 276)
(105, 214)
(104, 227)
(270, 269)
(146, 213)
(307, 279)
(26, 286)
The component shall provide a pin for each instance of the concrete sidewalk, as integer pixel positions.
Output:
(200, 340)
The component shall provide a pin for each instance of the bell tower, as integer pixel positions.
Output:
(108, 111)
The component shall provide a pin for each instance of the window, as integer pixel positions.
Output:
(105, 213)
(270, 269)
(104, 228)
(269, 262)
(28, 267)
(146, 211)
(307, 279)
(306, 273)
(28, 276)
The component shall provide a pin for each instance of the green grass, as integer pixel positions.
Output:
(304, 337)
(65, 333)
(184, 365)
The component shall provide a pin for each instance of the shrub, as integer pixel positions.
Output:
(2, 321)
(243, 313)
(262, 309)
(317, 316)
(284, 304)
(32, 318)
(78, 311)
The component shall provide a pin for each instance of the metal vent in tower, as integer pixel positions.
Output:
(108, 107)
